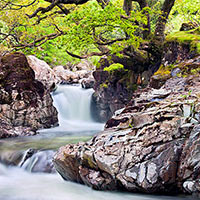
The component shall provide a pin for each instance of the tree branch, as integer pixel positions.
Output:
(44, 10)
(89, 55)
(14, 6)
(38, 42)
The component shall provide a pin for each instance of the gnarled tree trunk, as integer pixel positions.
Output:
(162, 20)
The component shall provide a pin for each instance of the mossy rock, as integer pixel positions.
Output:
(191, 37)
(190, 67)
(114, 67)
(163, 71)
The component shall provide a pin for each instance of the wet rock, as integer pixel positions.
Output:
(23, 99)
(149, 146)
(39, 162)
(87, 83)
(67, 164)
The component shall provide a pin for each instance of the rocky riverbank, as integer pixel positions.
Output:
(149, 146)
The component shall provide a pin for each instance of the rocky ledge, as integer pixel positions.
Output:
(25, 103)
(151, 145)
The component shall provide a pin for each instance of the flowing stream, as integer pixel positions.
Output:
(75, 124)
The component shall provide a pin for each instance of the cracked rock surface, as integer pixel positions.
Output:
(25, 103)
(151, 145)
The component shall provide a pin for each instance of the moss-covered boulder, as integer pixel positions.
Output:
(115, 81)
(180, 57)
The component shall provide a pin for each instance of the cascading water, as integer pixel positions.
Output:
(73, 104)
(18, 183)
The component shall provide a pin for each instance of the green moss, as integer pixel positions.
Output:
(98, 65)
(104, 85)
(114, 67)
(191, 37)
(163, 71)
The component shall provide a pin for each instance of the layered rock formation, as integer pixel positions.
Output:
(114, 89)
(25, 103)
(149, 146)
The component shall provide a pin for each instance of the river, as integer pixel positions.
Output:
(75, 124)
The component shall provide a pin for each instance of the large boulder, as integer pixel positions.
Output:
(149, 146)
(25, 103)
(114, 86)
(66, 75)
(43, 72)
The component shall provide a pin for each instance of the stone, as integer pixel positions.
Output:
(87, 83)
(43, 72)
(22, 99)
(147, 146)
(39, 162)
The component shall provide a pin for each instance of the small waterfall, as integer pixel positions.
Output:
(73, 104)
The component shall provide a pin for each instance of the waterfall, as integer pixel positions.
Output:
(74, 110)
(73, 103)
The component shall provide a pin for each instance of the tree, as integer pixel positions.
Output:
(95, 28)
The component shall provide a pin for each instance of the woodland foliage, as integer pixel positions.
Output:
(86, 29)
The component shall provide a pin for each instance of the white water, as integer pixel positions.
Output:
(16, 184)
(73, 104)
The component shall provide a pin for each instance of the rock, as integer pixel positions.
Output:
(175, 52)
(25, 104)
(111, 92)
(15, 157)
(150, 146)
(67, 164)
(83, 65)
(43, 72)
(87, 83)
(31, 160)
(175, 71)
(66, 75)
(40, 162)
(72, 77)
(114, 88)
(157, 81)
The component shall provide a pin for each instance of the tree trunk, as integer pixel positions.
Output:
(147, 27)
(127, 6)
(162, 20)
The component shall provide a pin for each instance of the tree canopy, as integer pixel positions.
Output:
(85, 28)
